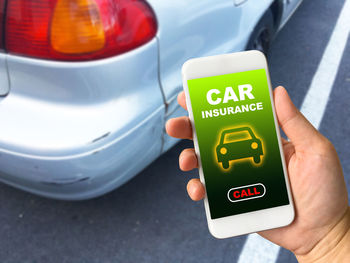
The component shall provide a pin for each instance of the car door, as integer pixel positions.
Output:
(190, 28)
(196, 28)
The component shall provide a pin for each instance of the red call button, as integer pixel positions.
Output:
(246, 192)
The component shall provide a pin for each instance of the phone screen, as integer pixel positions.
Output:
(238, 143)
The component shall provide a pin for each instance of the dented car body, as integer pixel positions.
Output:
(75, 130)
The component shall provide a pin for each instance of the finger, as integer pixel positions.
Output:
(188, 160)
(195, 189)
(181, 99)
(297, 128)
(179, 127)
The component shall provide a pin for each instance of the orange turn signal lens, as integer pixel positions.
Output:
(76, 27)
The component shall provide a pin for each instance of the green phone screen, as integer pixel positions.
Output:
(238, 143)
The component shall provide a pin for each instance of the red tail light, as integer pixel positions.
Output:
(76, 30)
(2, 17)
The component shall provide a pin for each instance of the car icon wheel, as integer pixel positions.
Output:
(225, 165)
(257, 159)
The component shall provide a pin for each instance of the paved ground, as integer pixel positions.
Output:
(150, 219)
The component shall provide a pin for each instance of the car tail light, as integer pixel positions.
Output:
(2, 17)
(77, 30)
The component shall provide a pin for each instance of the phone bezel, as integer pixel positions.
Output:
(257, 220)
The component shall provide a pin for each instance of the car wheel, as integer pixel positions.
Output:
(257, 159)
(262, 35)
(225, 165)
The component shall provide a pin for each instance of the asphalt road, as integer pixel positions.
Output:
(151, 219)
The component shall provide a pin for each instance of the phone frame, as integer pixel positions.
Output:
(252, 221)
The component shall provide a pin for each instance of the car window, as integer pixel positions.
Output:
(237, 136)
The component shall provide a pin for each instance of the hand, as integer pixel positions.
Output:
(317, 182)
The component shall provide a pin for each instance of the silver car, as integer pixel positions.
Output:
(86, 86)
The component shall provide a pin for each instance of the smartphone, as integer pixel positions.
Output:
(237, 141)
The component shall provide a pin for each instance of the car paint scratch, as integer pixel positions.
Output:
(65, 182)
(101, 137)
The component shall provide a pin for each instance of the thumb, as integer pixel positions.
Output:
(298, 129)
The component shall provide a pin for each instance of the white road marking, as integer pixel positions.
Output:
(257, 249)
(316, 99)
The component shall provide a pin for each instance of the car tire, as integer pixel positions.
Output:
(263, 33)
(225, 165)
(257, 159)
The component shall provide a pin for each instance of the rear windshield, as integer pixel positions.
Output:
(237, 136)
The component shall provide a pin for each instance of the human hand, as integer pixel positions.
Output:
(322, 218)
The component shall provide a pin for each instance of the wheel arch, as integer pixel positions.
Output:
(277, 11)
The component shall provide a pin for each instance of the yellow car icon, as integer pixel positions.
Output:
(238, 143)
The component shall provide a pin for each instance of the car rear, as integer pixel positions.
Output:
(83, 94)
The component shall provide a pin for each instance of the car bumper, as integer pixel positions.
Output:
(78, 130)
(90, 174)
